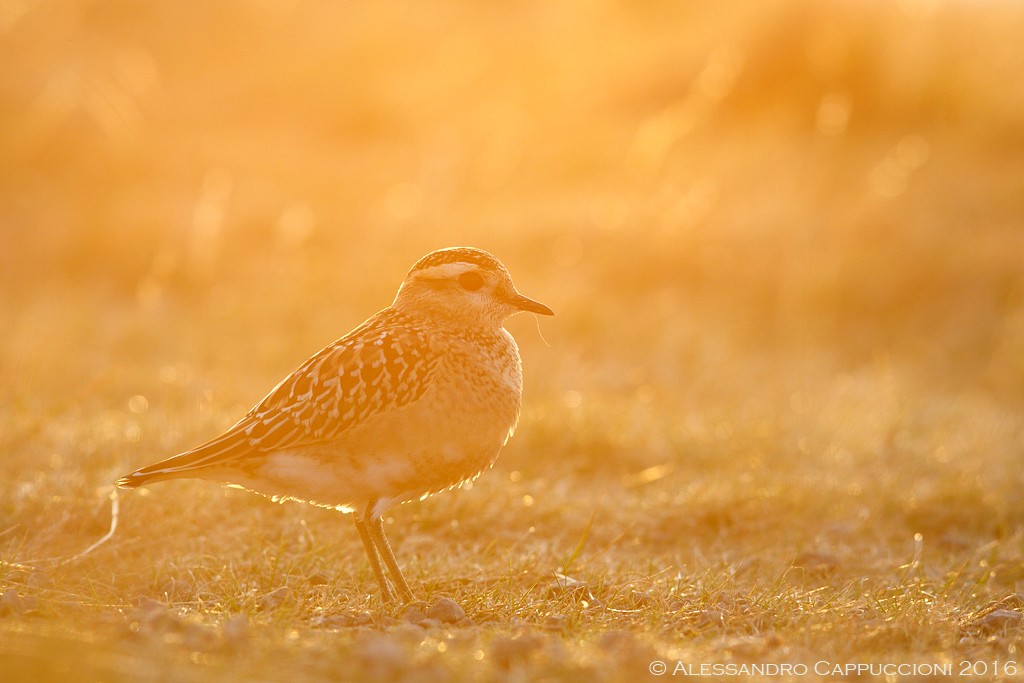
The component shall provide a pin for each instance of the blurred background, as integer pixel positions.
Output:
(784, 386)
(773, 232)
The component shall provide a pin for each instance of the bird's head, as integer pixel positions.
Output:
(465, 286)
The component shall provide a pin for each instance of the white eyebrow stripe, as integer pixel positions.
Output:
(446, 270)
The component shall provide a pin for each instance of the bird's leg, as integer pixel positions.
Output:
(371, 553)
(375, 525)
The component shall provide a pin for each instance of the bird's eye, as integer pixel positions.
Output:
(471, 281)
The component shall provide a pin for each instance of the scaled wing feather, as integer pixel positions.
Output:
(381, 365)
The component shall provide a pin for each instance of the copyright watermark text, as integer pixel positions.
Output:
(980, 668)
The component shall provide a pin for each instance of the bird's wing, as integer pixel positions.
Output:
(383, 364)
(377, 368)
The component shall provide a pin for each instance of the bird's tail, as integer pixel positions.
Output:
(199, 462)
(146, 475)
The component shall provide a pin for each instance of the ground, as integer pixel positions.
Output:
(777, 421)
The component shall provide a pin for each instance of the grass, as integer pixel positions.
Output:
(778, 417)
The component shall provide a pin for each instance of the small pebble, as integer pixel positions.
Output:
(711, 617)
(337, 621)
(361, 618)
(11, 602)
(317, 580)
(415, 612)
(817, 563)
(446, 611)
(274, 598)
(155, 617)
(567, 583)
(1000, 620)
(555, 622)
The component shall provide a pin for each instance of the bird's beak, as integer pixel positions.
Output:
(527, 304)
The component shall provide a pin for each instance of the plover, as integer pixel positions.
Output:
(416, 400)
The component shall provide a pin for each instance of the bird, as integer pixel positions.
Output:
(416, 400)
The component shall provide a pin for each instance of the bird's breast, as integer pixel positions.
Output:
(480, 387)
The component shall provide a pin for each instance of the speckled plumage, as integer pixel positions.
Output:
(418, 399)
